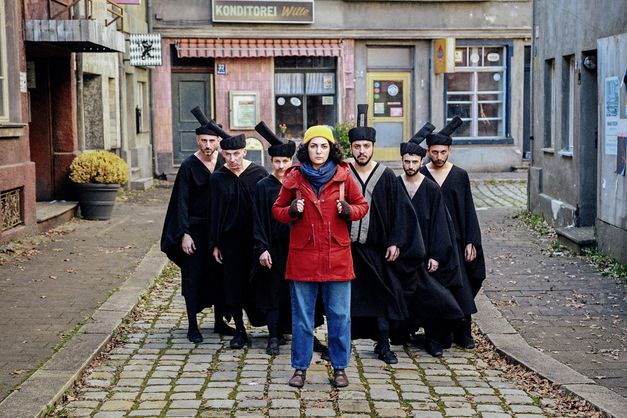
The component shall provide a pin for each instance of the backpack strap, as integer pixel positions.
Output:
(299, 194)
(341, 191)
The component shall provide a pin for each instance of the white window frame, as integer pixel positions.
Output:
(475, 69)
(553, 108)
(4, 84)
(570, 123)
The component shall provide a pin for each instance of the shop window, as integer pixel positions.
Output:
(4, 86)
(477, 92)
(305, 94)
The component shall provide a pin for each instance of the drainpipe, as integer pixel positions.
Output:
(80, 115)
(155, 161)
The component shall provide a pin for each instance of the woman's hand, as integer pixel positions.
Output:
(297, 207)
(344, 209)
(265, 259)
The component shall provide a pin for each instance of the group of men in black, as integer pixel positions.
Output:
(417, 253)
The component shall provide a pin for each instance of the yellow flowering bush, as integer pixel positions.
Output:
(99, 167)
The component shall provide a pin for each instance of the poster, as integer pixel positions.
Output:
(379, 108)
(611, 105)
(244, 110)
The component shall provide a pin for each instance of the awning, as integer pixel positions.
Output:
(80, 35)
(210, 48)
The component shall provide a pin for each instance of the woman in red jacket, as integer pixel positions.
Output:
(319, 196)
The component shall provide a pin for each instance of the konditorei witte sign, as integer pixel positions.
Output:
(263, 11)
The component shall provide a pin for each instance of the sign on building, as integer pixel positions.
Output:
(145, 49)
(444, 59)
(263, 11)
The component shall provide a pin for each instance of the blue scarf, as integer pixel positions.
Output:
(318, 178)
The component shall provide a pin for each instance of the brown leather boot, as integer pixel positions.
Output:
(298, 379)
(339, 378)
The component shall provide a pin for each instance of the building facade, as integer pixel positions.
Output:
(574, 178)
(294, 64)
(66, 86)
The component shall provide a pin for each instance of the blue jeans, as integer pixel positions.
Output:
(336, 297)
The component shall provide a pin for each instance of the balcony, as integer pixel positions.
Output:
(79, 26)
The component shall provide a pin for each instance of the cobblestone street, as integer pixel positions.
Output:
(157, 372)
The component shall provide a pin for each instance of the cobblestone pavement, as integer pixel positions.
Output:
(557, 302)
(157, 372)
(501, 193)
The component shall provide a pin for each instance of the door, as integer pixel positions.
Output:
(40, 132)
(188, 91)
(527, 106)
(388, 111)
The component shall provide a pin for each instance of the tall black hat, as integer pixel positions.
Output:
(228, 142)
(362, 132)
(204, 128)
(444, 136)
(413, 145)
(277, 148)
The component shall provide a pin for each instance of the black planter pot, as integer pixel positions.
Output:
(96, 200)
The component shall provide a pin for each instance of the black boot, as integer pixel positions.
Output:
(384, 352)
(194, 335)
(462, 336)
(318, 347)
(239, 340)
(434, 348)
(272, 349)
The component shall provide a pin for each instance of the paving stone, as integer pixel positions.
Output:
(427, 414)
(353, 406)
(444, 390)
(158, 388)
(495, 415)
(319, 412)
(181, 413)
(116, 405)
(526, 409)
(82, 404)
(416, 396)
(487, 399)
(460, 412)
(490, 408)
(183, 395)
(252, 403)
(152, 405)
(284, 403)
(288, 412)
(145, 413)
(128, 396)
(382, 395)
(152, 396)
(185, 404)
(109, 414)
(219, 403)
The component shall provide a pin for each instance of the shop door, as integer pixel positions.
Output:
(40, 132)
(388, 111)
(188, 91)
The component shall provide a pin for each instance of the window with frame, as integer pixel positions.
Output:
(568, 105)
(141, 107)
(477, 92)
(4, 86)
(305, 91)
(550, 98)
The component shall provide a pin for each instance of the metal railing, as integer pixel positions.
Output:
(83, 9)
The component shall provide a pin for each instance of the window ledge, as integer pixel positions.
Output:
(483, 141)
(566, 153)
(11, 130)
(548, 150)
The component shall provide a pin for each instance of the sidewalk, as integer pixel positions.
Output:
(52, 283)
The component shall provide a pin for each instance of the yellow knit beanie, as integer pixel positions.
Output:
(319, 131)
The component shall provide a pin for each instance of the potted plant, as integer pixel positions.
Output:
(97, 176)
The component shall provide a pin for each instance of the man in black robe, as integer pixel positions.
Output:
(271, 245)
(185, 237)
(455, 187)
(233, 191)
(386, 245)
(434, 304)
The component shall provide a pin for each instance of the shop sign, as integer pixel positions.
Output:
(263, 11)
(444, 60)
(221, 69)
(145, 49)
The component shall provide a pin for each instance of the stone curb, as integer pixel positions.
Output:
(510, 344)
(47, 385)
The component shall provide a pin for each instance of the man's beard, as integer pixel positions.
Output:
(363, 164)
(410, 173)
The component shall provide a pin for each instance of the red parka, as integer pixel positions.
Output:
(320, 245)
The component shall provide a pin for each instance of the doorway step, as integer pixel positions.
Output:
(54, 213)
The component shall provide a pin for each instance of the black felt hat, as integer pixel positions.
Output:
(204, 128)
(444, 136)
(233, 142)
(413, 145)
(362, 132)
(277, 147)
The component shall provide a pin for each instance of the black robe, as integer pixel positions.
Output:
(231, 229)
(271, 288)
(435, 296)
(381, 288)
(458, 199)
(188, 213)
